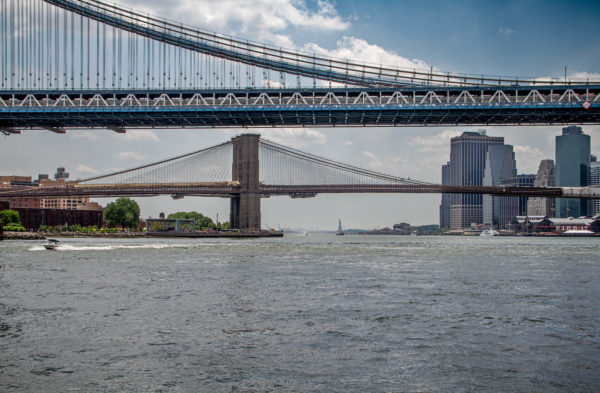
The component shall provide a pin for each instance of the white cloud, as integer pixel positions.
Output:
(348, 142)
(130, 155)
(86, 170)
(375, 163)
(439, 143)
(528, 158)
(89, 135)
(138, 136)
(358, 49)
(506, 31)
(370, 155)
(293, 137)
(259, 18)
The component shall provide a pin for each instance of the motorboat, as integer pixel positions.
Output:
(489, 232)
(52, 244)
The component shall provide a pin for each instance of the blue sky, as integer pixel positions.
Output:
(521, 38)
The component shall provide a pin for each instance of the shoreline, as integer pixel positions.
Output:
(133, 235)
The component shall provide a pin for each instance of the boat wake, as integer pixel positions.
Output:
(68, 247)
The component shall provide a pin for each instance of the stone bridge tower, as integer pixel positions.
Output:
(245, 207)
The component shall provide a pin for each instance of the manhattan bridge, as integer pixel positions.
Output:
(73, 64)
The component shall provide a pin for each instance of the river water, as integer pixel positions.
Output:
(317, 313)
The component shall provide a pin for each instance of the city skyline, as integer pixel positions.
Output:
(346, 30)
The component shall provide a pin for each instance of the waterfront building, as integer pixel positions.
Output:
(467, 165)
(32, 219)
(554, 224)
(511, 207)
(572, 161)
(446, 198)
(544, 178)
(593, 205)
(499, 164)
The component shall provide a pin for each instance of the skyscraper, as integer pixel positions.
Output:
(499, 164)
(594, 180)
(445, 205)
(467, 164)
(572, 162)
(544, 178)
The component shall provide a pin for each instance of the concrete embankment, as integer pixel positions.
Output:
(23, 236)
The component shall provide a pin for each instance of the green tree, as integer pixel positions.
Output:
(123, 212)
(10, 217)
(202, 221)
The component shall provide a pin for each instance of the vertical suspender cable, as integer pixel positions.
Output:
(87, 57)
(104, 56)
(56, 48)
(72, 60)
(112, 55)
(81, 52)
(97, 55)
(65, 36)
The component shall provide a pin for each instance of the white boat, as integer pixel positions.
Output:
(340, 231)
(489, 232)
(52, 244)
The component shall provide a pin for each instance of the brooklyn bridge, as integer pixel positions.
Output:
(248, 168)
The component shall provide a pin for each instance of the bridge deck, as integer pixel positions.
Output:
(229, 190)
(119, 109)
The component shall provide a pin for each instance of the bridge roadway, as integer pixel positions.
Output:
(423, 106)
(230, 189)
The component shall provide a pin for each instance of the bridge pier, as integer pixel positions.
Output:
(245, 207)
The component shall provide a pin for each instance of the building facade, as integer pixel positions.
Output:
(572, 162)
(511, 207)
(499, 164)
(32, 219)
(467, 165)
(544, 178)
(446, 198)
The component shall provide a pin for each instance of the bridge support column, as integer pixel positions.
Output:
(245, 208)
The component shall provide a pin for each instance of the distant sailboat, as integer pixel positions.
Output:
(340, 231)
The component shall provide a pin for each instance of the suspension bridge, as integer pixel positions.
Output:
(248, 168)
(89, 64)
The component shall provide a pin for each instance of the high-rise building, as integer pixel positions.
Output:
(594, 180)
(572, 162)
(467, 165)
(499, 164)
(511, 207)
(445, 205)
(545, 178)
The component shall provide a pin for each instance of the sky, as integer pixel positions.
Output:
(513, 38)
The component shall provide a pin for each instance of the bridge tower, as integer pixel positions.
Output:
(245, 207)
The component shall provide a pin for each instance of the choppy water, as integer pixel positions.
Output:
(301, 314)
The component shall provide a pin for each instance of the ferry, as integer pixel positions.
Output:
(489, 232)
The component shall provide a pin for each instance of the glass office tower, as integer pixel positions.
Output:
(467, 165)
(572, 163)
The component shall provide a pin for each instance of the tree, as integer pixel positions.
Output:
(202, 221)
(10, 217)
(123, 212)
